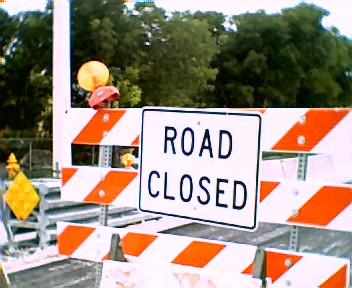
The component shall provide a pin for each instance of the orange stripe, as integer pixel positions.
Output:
(134, 244)
(338, 279)
(102, 121)
(67, 174)
(113, 184)
(136, 141)
(248, 270)
(324, 206)
(72, 237)
(275, 264)
(260, 110)
(319, 122)
(266, 188)
(198, 254)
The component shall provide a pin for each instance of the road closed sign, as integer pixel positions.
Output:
(201, 165)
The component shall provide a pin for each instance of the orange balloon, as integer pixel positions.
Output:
(93, 74)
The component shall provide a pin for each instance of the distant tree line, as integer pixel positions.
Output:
(201, 59)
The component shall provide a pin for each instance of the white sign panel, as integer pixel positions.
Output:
(201, 165)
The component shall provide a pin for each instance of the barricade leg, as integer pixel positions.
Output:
(4, 281)
(105, 158)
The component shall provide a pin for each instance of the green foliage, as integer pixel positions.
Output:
(26, 75)
(126, 81)
(283, 60)
(178, 69)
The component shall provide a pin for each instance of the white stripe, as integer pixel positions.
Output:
(338, 138)
(75, 120)
(276, 123)
(60, 226)
(343, 221)
(280, 204)
(234, 258)
(152, 276)
(338, 144)
(310, 271)
(95, 247)
(82, 183)
(125, 131)
(164, 249)
(129, 196)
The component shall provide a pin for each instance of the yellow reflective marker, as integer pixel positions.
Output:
(21, 197)
(127, 160)
(93, 74)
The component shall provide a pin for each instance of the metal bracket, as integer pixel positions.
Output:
(105, 159)
(259, 266)
(301, 176)
(116, 252)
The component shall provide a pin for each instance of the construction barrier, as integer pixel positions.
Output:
(321, 204)
(302, 130)
(111, 186)
(41, 224)
(313, 130)
(93, 243)
(304, 203)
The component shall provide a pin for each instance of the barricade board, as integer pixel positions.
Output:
(310, 204)
(313, 130)
(284, 268)
(121, 274)
(114, 186)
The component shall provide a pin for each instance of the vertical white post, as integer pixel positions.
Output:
(61, 80)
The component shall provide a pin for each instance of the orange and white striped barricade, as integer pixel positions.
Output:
(309, 204)
(307, 130)
(113, 186)
(108, 126)
(313, 130)
(285, 130)
(283, 268)
(301, 203)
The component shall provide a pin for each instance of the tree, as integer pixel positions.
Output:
(103, 31)
(26, 74)
(281, 60)
(179, 54)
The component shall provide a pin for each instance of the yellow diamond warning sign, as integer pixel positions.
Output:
(21, 197)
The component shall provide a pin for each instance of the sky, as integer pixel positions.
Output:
(340, 10)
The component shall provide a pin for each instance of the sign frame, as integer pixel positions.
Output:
(220, 112)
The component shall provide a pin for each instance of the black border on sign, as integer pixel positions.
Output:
(254, 227)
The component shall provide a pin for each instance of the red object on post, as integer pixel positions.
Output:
(103, 96)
